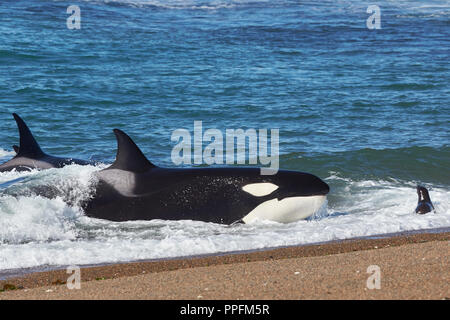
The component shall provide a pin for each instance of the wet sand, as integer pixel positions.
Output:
(411, 266)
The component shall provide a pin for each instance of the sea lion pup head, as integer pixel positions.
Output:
(424, 204)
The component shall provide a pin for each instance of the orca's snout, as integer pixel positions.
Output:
(325, 188)
(310, 185)
(322, 187)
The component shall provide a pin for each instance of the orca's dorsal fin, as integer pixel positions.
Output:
(129, 156)
(28, 145)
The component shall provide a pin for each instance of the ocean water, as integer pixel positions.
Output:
(366, 110)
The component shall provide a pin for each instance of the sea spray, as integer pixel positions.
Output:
(48, 232)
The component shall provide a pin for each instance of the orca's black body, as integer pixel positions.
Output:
(135, 189)
(424, 204)
(30, 155)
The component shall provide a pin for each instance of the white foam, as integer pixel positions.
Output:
(35, 219)
(6, 154)
(27, 217)
(35, 231)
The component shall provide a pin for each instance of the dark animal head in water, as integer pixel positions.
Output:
(424, 204)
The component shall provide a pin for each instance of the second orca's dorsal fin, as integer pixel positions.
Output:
(16, 149)
(129, 156)
(28, 145)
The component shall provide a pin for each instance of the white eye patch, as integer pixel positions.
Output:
(260, 189)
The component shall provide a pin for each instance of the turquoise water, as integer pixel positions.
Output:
(367, 110)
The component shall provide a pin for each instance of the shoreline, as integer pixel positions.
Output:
(133, 269)
(21, 273)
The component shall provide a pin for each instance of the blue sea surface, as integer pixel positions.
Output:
(366, 110)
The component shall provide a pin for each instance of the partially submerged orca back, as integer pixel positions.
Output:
(133, 188)
(424, 204)
(30, 155)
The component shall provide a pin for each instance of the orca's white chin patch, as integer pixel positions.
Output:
(287, 210)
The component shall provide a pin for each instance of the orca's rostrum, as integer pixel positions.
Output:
(133, 188)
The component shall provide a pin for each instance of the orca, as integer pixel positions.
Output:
(424, 204)
(133, 188)
(30, 155)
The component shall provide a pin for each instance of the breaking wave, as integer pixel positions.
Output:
(40, 232)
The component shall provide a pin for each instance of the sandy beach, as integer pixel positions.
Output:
(413, 266)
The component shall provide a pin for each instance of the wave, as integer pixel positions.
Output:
(6, 154)
(183, 4)
(212, 4)
(39, 232)
(419, 164)
(42, 205)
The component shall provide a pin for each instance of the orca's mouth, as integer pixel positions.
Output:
(289, 209)
(281, 194)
